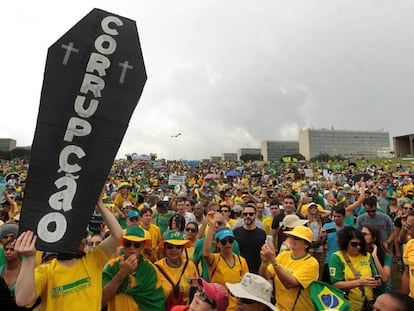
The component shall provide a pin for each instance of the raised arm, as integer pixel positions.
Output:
(111, 243)
(350, 208)
(209, 238)
(25, 284)
(268, 256)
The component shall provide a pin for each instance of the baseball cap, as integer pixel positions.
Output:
(133, 213)
(223, 233)
(215, 292)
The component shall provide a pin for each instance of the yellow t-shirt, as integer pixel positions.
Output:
(119, 199)
(339, 270)
(122, 301)
(174, 274)
(267, 224)
(305, 270)
(231, 222)
(155, 234)
(408, 258)
(72, 288)
(220, 272)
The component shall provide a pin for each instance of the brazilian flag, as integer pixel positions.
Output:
(326, 296)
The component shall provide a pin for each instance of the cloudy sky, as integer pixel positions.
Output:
(230, 74)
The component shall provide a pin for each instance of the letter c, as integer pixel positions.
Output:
(105, 25)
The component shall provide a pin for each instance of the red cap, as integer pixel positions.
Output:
(216, 292)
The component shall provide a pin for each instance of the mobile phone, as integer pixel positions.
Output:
(269, 240)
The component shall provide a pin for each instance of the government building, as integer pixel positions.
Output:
(369, 144)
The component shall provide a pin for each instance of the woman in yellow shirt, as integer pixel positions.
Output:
(173, 268)
(224, 266)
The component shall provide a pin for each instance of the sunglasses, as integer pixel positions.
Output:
(203, 296)
(313, 207)
(188, 229)
(90, 243)
(171, 246)
(246, 301)
(408, 208)
(220, 223)
(229, 239)
(371, 212)
(128, 244)
(251, 214)
(224, 211)
(355, 244)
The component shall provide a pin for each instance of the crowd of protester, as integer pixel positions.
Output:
(176, 235)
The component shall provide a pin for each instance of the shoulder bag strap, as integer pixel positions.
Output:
(350, 265)
(165, 274)
(297, 297)
(356, 273)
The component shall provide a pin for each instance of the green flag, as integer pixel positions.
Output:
(326, 296)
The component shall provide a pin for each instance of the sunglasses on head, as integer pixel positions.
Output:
(128, 244)
(251, 214)
(355, 244)
(171, 246)
(188, 229)
(229, 239)
(203, 296)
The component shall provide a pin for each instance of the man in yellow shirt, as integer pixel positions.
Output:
(70, 281)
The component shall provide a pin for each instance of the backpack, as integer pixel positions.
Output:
(326, 296)
(176, 296)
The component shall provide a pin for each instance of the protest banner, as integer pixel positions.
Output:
(94, 77)
(174, 180)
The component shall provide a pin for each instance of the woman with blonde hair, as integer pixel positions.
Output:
(316, 221)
